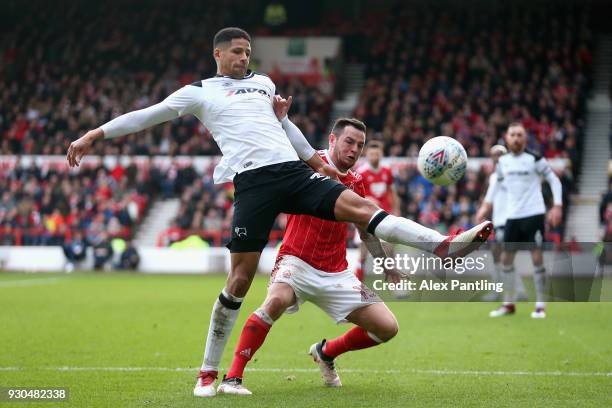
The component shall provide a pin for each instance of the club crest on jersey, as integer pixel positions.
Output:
(239, 91)
(318, 176)
(241, 232)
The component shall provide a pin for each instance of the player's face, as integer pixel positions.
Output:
(346, 148)
(516, 139)
(233, 58)
(374, 155)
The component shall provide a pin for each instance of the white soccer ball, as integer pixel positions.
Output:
(442, 160)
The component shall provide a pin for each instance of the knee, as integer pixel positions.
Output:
(275, 306)
(388, 330)
(238, 284)
(365, 209)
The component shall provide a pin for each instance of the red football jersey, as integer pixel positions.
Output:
(318, 242)
(378, 184)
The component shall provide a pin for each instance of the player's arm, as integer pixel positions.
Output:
(487, 205)
(394, 199)
(376, 249)
(297, 139)
(177, 104)
(556, 212)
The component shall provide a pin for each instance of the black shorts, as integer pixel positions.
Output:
(261, 194)
(524, 233)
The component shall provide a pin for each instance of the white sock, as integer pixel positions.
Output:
(222, 322)
(520, 286)
(398, 230)
(539, 281)
(496, 272)
(509, 281)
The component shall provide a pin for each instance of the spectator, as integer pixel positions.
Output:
(75, 251)
(129, 259)
(103, 252)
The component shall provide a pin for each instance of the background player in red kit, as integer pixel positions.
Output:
(311, 266)
(379, 188)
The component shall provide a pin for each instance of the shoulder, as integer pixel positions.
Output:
(363, 169)
(256, 73)
(263, 78)
(536, 156)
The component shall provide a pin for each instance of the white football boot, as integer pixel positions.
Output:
(205, 386)
(538, 313)
(328, 368)
(462, 244)
(232, 386)
(503, 310)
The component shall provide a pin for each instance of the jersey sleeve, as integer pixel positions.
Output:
(543, 168)
(185, 100)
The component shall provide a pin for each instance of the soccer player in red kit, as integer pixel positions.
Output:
(379, 187)
(311, 266)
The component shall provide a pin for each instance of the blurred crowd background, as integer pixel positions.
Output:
(464, 70)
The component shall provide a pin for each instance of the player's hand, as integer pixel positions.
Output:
(555, 215)
(82, 146)
(394, 276)
(281, 106)
(481, 214)
(330, 171)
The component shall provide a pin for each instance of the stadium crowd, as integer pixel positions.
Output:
(470, 72)
(430, 71)
(62, 79)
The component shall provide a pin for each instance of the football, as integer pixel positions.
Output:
(442, 160)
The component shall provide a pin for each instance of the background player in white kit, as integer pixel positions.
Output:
(499, 216)
(262, 157)
(520, 172)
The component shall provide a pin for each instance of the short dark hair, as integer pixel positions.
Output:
(513, 124)
(227, 34)
(341, 123)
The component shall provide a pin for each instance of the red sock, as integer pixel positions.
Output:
(354, 339)
(252, 337)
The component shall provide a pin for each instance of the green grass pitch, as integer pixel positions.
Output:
(134, 340)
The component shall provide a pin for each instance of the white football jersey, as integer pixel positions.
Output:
(240, 117)
(521, 175)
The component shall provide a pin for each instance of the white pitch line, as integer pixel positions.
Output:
(346, 370)
(27, 282)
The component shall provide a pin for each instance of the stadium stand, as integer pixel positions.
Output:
(464, 72)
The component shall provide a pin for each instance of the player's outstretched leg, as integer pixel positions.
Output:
(376, 324)
(350, 207)
(280, 297)
(224, 314)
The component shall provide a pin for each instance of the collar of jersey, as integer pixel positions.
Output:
(249, 74)
(373, 169)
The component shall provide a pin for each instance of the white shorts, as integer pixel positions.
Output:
(336, 293)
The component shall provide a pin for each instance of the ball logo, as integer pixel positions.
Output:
(438, 156)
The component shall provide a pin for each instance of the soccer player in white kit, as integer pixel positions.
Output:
(499, 216)
(520, 172)
(262, 157)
